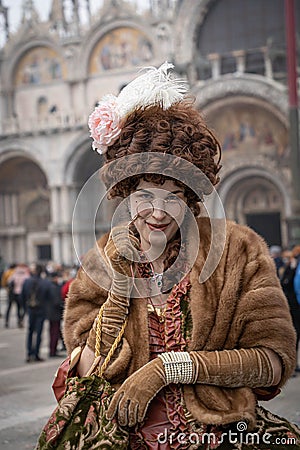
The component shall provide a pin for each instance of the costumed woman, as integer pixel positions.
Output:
(209, 331)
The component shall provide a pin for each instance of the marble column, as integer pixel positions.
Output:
(55, 215)
(74, 235)
(215, 61)
(268, 63)
(240, 56)
(66, 226)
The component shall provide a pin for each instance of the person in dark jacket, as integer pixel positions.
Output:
(55, 310)
(276, 254)
(36, 294)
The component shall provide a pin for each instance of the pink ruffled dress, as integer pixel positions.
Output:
(166, 416)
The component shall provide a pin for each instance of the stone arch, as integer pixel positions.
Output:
(247, 124)
(23, 183)
(91, 210)
(253, 194)
(74, 153)
(16, 106)
(255, 23)
(98, 33)
(259, 157)
(191, 14)
(15, 55)
(14, 150)
(190, 18)
(252, 86)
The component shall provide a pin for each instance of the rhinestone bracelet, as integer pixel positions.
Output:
(178, 367)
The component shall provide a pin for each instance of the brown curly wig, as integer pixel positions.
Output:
(179, 131)
(148, 133)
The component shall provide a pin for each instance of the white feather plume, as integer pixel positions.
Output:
(155, 87)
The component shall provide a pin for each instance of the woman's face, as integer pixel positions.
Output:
(159, 210)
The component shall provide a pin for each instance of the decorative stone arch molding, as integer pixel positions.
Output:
(89, 211)
(191, 14)
(97, 33)
(250, 104)
(251, 91)
(14, 150)
(73, 154)
(16, 54)
(82, 165)
(24, 185)
(228, 98)
(241, 186)
(233, 177)
(252, 86)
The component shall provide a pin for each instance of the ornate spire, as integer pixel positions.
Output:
(88, 10)
(57, 15)
(29, 12)
(112, 9)
(75, 20)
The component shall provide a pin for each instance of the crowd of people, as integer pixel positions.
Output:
(287, 262)
(38, 292)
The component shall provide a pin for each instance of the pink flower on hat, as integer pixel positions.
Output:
(104, 123)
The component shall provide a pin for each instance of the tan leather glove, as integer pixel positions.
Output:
(130, 403)
(233, 368)
(121, 252)
(227, 368)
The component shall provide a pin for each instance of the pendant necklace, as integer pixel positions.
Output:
(157, 278)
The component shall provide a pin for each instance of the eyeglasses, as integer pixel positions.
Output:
(173, 207)
(145, 209)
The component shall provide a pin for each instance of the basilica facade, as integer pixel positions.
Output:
(52, 74)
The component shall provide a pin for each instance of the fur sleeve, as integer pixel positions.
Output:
(263, 314)
(87, 293)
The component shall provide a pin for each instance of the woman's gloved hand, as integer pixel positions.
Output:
(121, 251)
(130, 403)
(228, 368)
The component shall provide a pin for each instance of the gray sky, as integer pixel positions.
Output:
(43, 7)
(15, 10)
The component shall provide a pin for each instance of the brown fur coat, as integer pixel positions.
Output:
(241, 305)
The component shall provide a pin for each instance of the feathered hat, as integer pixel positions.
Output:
(130, 125)
(154, 87)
